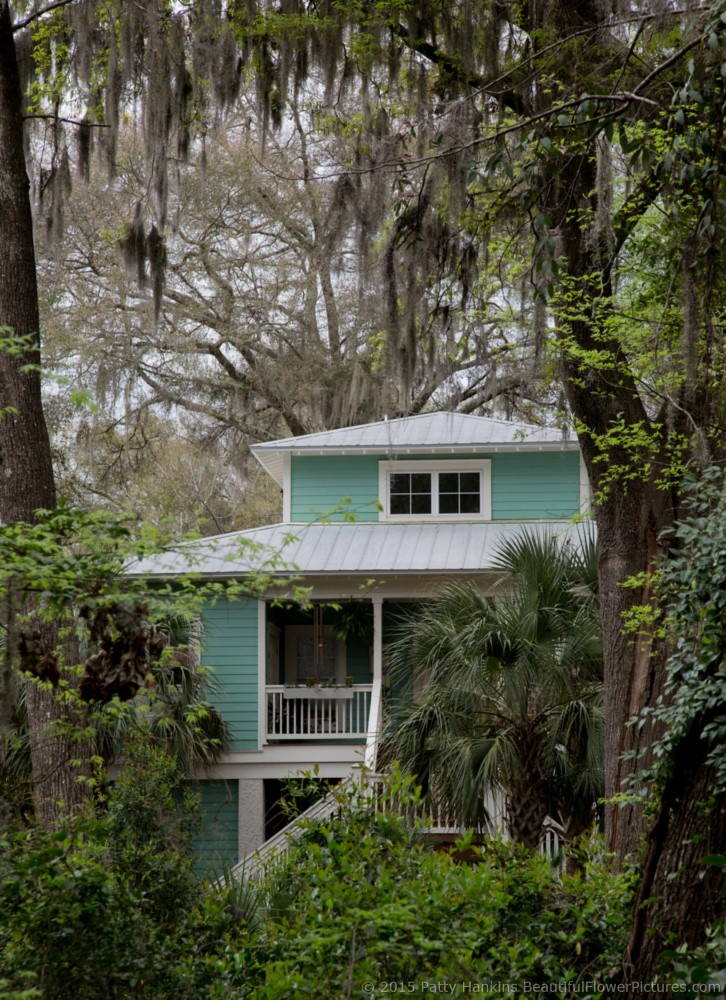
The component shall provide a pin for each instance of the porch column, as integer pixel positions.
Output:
(374, 717)
(261, 674)
(251, 816)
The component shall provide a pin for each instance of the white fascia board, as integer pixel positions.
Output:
(265, 456)
(281, 761)
(261, 671)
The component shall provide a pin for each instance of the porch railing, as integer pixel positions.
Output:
(437, 821)
(318, 713)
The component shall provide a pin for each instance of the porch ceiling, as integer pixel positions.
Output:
(339, 548)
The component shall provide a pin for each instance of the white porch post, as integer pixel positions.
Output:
(261, 674)
(375, 714)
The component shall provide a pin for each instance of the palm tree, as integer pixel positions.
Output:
(511, 691)
(172, 711)
(175, 712)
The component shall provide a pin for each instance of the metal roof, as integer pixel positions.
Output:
(341, 548)
(427, 433)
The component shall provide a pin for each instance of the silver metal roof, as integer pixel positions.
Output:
(426, 433)
(339, 548)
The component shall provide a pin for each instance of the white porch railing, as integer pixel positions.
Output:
(438, 818)
(274, 850)
(436, 822)
(318, 713)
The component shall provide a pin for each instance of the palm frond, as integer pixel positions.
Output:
(506, 679)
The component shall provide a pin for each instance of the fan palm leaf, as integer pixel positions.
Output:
(511, 690)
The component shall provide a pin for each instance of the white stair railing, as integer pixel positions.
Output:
(254, 865)
(437, 821)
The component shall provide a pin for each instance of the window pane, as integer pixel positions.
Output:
(400, 482)
(469, 503)
(469, 482)
(448, 503)
(400, 504)
(421, 482)
(421, 503)
(448, 482)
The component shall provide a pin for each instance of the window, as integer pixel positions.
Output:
(452, 490)
(301, 661)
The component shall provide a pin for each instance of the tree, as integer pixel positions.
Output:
(583, 128)
(274, 315)
(690, 585)
(511, 692)
(171, 712)
(576, 127)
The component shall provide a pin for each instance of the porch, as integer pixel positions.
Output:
(309, 713)
(323, 672)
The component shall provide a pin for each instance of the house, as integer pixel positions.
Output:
(374, 517)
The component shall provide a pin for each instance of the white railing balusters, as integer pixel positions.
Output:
(318, 713)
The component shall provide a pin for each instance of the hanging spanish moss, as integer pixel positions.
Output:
(133, 247)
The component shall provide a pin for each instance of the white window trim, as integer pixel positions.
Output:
(481, 465)
(292, 633)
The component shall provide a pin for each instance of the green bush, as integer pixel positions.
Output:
(109, 908)
(104, 907)
(363, 898)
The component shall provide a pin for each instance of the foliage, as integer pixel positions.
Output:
(364, 898)
(118, 653)
(510, 691)
(692, 584)
(702, 969)
(101, 907)
(108, 906)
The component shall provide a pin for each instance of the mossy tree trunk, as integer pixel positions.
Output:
(26, 469)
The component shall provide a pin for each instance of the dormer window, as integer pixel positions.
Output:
(447, 490)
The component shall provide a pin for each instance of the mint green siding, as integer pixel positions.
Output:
(545, 484)
(230, 648)
(524, 486)
(215, 843)
(320, 483)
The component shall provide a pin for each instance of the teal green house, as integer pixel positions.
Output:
(374, 517)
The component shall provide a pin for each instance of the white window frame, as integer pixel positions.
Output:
(481, 465)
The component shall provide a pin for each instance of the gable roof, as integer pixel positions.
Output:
(370, 548)
(427, 433)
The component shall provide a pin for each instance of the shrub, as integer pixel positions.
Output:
(364, 898)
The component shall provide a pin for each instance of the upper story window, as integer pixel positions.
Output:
(448, 490)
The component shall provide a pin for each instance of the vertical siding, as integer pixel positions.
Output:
(320, 483)
(230, 648)
(542, 485)
(215, 843)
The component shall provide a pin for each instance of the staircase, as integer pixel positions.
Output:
(254, 866)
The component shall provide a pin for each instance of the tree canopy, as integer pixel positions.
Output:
(561, 162)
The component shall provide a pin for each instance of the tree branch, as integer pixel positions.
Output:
(70, 121)
(19, 25)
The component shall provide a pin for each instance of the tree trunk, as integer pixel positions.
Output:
(631, 515)
(26, 468)
(677, 889)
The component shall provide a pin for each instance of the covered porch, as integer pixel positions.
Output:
(323, 671)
